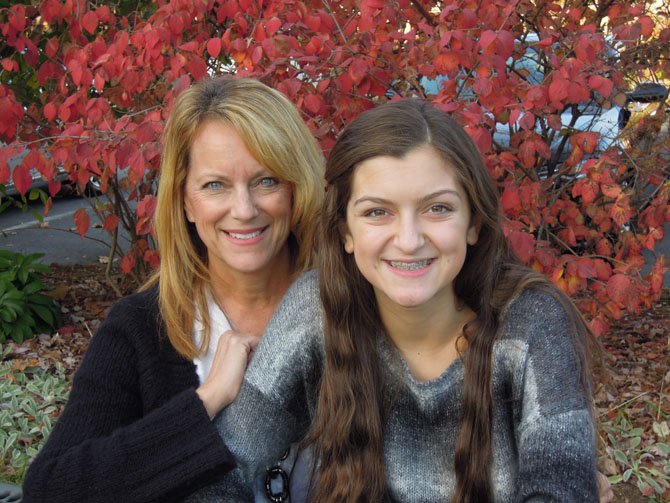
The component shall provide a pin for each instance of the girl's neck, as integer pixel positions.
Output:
(429, 339)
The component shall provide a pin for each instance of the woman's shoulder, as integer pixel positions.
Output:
(137, 312)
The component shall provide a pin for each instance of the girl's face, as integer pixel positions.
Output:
(408, 225)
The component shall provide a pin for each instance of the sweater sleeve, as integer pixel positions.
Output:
(555, 434)
(109, 444)
(274, 406)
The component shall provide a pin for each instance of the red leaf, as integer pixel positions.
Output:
(601, 84)
(510, 199)
(17, 17)
(54, 187)
(313, 103)
(82, 221)
(586, 268)
(110, 223)
(22, 179)
(599, 326)
(127, 263)
(618, 287)
(10, 65)
(446, 62)
(272, 26)
(523, 245)
(5, 172)
(586, 140)
(214, 47)
(482, 138)
(558, 89)
(50, 111)
(152, 257)
(358, 70)
(75, 71)
(90, 22)
(647, 25)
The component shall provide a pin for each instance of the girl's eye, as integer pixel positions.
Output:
(375, 212)
(268, 181)
(439, 208)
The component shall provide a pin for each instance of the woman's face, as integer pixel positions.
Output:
(408, 225)
(242, 212)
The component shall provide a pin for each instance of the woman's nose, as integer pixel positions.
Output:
(243, 205)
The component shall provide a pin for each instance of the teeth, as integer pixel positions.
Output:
(411, 266)
(245, 236)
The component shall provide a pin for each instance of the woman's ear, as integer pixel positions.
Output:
(347, 240)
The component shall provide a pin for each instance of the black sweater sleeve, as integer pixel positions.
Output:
(134, 429)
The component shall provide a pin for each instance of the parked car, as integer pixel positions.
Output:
(606, 117)
(39, 182)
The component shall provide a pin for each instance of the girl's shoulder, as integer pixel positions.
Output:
(534, 312)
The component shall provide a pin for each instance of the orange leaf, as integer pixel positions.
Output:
(618, 287)
(81, 221)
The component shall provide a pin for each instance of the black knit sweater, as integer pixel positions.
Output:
(134, 429)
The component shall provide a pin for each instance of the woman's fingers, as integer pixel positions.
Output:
(225, 377)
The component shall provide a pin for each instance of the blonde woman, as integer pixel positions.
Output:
(241, 184)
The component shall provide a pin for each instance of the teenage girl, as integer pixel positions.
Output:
(424, 362)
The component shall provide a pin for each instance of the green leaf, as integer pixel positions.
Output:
(32, 287)
(620, 457)
(627, 474)
(43, 313)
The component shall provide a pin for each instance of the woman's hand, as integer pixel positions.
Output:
(605, 493)
(225, 377)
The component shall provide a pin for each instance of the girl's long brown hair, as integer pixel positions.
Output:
(347, 434)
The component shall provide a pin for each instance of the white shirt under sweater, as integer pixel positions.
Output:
(219, 324)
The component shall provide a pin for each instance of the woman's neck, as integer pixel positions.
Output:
(248, 300)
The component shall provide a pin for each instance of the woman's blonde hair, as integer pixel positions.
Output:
(275, 134)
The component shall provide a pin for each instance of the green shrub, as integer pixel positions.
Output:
(30, 400)
(24, 309)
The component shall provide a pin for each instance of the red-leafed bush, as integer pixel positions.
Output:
(87, 88)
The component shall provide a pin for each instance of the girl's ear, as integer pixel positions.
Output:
(473, 231)
(347, 240)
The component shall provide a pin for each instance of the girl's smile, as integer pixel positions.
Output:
(409, 233)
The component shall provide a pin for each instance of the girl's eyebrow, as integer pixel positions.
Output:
(425, 199)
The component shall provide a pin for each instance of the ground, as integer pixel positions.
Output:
(632, 398)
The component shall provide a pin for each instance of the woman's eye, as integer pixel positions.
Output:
(213, 185)
(375, 212)
(268, 181)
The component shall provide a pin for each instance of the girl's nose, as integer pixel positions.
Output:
(409, 236)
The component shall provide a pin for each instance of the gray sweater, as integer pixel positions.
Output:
(543, 434)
